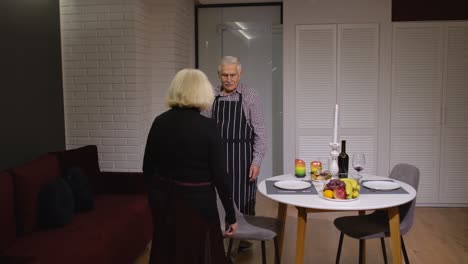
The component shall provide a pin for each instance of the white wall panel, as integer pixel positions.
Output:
(118, 59)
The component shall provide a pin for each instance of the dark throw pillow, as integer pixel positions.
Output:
(79, 184)
(55, 204)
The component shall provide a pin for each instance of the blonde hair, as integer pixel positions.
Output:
(190, 88)
(226, 60)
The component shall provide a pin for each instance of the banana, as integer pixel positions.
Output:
(353, 182)
(349, 188)
(352, 188)
(355, 194)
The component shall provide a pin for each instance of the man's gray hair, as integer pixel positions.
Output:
(226, 60)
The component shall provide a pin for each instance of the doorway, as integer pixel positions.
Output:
(254, 34)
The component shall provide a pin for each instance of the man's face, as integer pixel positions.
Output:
(230, 77)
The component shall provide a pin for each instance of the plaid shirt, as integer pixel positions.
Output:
(252, 106)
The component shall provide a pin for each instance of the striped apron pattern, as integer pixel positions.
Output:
(238, 138)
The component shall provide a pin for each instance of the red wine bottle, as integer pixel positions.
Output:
(343, 159)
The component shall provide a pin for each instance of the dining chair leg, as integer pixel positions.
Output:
(384, 252)
(228, 255)
(403, 248)
(361, 251)
(263, 252)
(277, 258)
(338, 252)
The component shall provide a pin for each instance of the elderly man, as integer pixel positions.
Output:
(238, 112)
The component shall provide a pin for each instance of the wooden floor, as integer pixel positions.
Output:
(439, 235)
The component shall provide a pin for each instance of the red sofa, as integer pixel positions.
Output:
(116, 231)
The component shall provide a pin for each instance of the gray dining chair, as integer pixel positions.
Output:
(375, 225)
(252, 228)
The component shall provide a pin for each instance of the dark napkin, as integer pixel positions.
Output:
(365, 190)
(272, 189)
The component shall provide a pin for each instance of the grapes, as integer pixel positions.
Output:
(333, 184)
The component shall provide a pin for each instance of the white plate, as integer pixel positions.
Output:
(339, 200)
(292, 184)
(381, 185)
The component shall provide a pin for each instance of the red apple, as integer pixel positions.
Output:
(339, 193)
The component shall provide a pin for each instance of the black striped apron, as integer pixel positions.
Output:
(237, 136)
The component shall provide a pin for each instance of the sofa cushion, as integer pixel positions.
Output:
(28, 180)
(86, 158)
(55, 204)
(79, 184)
(7, 211)
(116, 231)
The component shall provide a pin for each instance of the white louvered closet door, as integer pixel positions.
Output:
(315, 90)
(358, 83)
(454, 168)
(416, 102)
(336, 64)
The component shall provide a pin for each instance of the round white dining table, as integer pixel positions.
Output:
(316, 203)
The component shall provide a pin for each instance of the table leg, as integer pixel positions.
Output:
(394, 222)
(282, 210)
(362, 244)
(301, 233)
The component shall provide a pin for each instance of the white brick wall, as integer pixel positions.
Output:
(171, 20)
(119, 57)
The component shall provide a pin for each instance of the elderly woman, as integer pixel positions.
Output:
(183, 164)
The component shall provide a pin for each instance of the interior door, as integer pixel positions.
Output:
(417, 77)
(251, 42)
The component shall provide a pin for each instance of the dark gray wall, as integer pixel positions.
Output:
(425, 10)
(31, 96)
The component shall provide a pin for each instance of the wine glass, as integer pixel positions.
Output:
(359, 161)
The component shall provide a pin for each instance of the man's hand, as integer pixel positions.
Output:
(253, 173)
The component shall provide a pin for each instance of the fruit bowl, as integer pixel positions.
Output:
(341, 190)
(340, 200)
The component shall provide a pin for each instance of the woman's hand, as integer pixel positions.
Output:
(231, 230)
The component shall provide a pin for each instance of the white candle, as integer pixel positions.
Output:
(335, 128)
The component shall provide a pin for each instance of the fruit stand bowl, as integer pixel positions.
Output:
(341, 190)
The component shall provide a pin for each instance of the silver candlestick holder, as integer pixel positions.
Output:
(334, 158)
